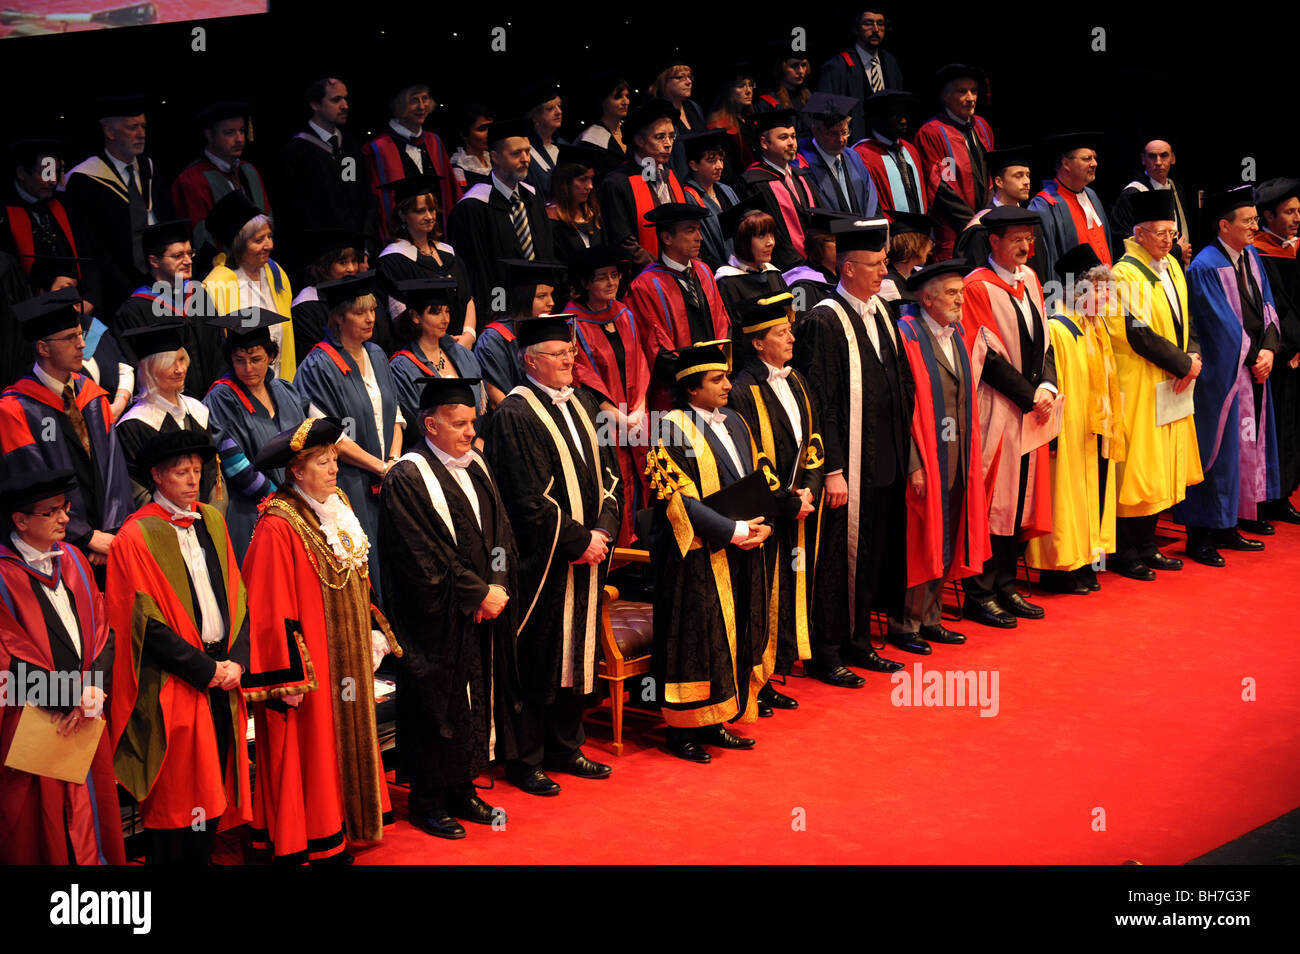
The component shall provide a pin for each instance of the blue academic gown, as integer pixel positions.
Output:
(409, 364)
(1239, 473)
(1059, 233)
(498, 356)
(715, 248)
(246, 427)
(861, 186)
(329, 378)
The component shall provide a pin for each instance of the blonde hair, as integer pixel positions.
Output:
(356, 305)
(148, 369)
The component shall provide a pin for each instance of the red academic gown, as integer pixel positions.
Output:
(164, 743)
(627, 387)
(41, 817)
(386, 161)
(927, 534)
(656, 301)
(947, 162)
(873, 154)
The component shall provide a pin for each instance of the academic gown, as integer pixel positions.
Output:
(1237, 436)
(223, 285)
(865, 402)
(314, 191)
(43, 227)
(103, 356)
(1283, 271)
(410, 363)
(387, 160)
(246, 426)
(555, 500)
(41, 817)
(146, 419)
(787, 206)
(715, 248)
(713, 647)
(310, 318)
(202, 184)
(457, 680)
(201, 341)
(792, 548)
(808, 285)
(738, 286)
(498, 356)
(399, 261)
(16, 353)
(102, 499)
(885, 165)
(1121, 213)
(542, 166)
(166, 725)
(570, 241)
(481, 231)
(862, 200)
(845, 75)
(1064, 225)
(625, 197)
(956, 181)
(333, 383)
(320, 775)
(612, 363)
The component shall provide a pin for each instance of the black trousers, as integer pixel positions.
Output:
(1135, 537)
(550, 731)
(998, 577)
(435, 801)
(181, 846)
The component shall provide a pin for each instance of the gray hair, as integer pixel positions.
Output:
(240, 243)
(1085, 284)
(149, 368)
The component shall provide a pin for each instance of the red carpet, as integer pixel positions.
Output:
(1128, 701)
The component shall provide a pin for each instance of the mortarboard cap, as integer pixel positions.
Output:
(588, 261)
(131, 104)
(888, 100)
(149, 340)
(584, 154)
(230, 214)
(1063, 144)
(318, 242)
(955, 71)
(760, 314)
(541, 90)
(772, 119)
(1077, 261)
(402, 189)
(1005, 216)
(821, 219)
(531, 331)
(702, 356)
(1222, 205)
(25, 152)
(515, 128)
(219, 112)
(999, 159)
(860, 235)
(1153, 205)
(646, 114)
(521, 272)
(47, 315)
(420, 293)
(343, 291)
(285, 446)
(928, 273)
(730, 218)
(250, 327)
(439, 391)
(905, 222)
(46, 268)
(155, 238)
(696, 144)
(23, 488)
(830, 108)
(1268, 195)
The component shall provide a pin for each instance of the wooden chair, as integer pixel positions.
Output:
(626, 635)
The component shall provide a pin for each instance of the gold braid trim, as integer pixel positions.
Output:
(318, 550)
(381, 624)
(281, 692)
(815, 456)
(669, 482)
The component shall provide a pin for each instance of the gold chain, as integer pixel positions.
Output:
(314, 537)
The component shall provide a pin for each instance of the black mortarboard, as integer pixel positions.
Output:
(519, 127)
(1153, 205)
(760, 314)
(423, 184)
(131, 104)
(166, 446)
(821, 219)
(219, 112)
(22, 488)
(904, 222)
(1221, 205)
(46, 268)
(345, 290)
(47, 315)
(155, 238)
(1000, 159)
(420, 293)
(830, 108)
(317, 242)
(588, 261)
(230, 214)
(702, 356)
(439, 391)
(887, 100)
(954, 71)
(771, 119)
(520, 272)
(698, 143)
(249, 327)
(25, 152)
(541, 90)
(1065, 143)
(148, 340)
(1269, 194)
(1005, 216)
(285, 446)
(531, 331)
(646, 114)
(584, 154)
(860, 235)
(1077, 261)
(730, 218)
(672, 212)
(928, 273)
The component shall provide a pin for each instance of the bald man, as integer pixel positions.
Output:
(1157, 161)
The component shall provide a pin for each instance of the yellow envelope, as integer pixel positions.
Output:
(40, 750)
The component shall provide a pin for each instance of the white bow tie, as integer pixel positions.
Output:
(43, 562)
(716, 418)
(1288, 243)
(460, 463)
(944, 333)
(562, 395)
(781, 373)
(1159, 266)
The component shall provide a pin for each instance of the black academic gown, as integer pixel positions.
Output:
(446, 736)
(530, 479)
(798, 465)
(201, 341)
(738, 290)
(312, 192)
(479, 228)
(885, 395)
(133, 433)
(693, 652)
(568, 240)
(761, 179)
(395, 267)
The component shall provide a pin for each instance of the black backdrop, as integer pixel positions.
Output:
(1218, 88)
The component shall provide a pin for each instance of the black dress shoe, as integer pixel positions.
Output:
(473, 809)
(988, 613)
(910, 643)
(1231, 539)
(775, 699)
(719, 736)
(1061, 581)
(533, 781)
(1133, 569)
(1206, 554)
(938, 634)
(439, 825)
(342, 859)
(764, 710)
(1017, 605)
(1158, 561)
(870, 659)
(689, 750)
(580, 766)
(1088, 577)
(840, 676)
(1260, 528)
(1279, 510)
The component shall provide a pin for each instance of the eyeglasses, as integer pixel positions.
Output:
(1252, 222)
(1171, 234)
(569, 353)
(70, 336)
(64, 508)
(664, 137)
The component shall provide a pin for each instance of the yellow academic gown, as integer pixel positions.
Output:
(1162, 462)
(1081, 530)
(222, 284)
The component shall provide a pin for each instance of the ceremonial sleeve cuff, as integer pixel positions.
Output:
(1049, 386)
(742, 532)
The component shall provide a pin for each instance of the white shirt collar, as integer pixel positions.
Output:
(830, 160)
(172, 508)
(551, 393)
(1011, 278)
(501, 187)
(674, 265)
(941, 331)
(891, 143)
(42, 560)
(446, 459)
(120, 166)
(775, 373)
(403, 132)
(781, 169)
(1168, 184)
(1233, 254)
(325, 136)
(714, 417)
(858, 304)
(24, 195)
(48, 381)
(1285, 242)
(960, 122)
(217, 161)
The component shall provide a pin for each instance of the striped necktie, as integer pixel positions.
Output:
(519, 217)
(874, 77)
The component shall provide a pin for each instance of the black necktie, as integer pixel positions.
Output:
(336, 148)
(909, 183)
(841, 186)
(139, 217)
(1247, 283)
(976, 151)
